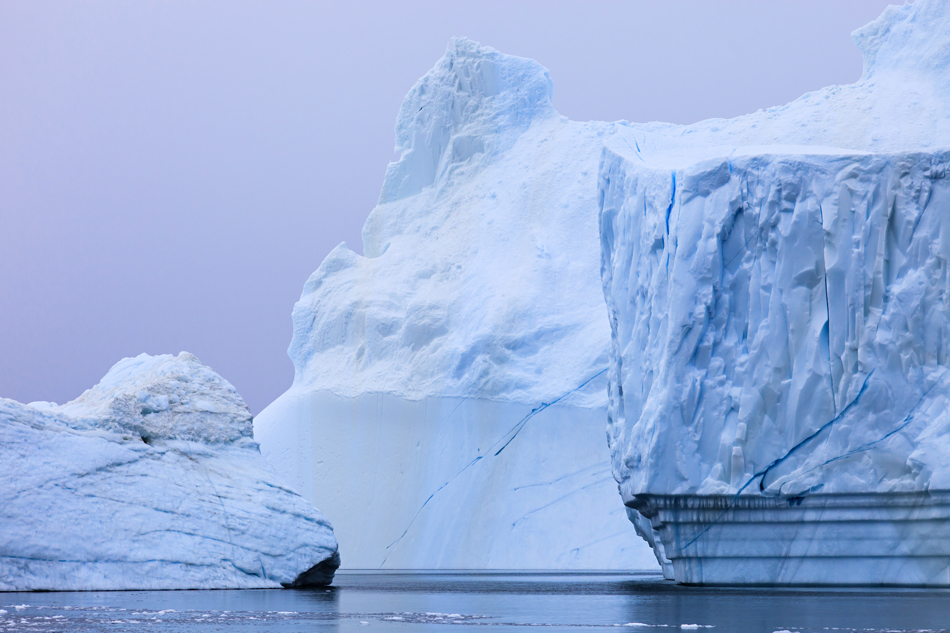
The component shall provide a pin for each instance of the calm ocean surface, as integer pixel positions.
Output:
(483, 601)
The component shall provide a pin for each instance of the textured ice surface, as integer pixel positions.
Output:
(149, 480)
(777, 285)
(478, 300)
(481, 268)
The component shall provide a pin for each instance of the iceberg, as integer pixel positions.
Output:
(150, 480)
(756, 307)
(779, 301)
(449, 397)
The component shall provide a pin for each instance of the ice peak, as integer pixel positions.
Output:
(475, 101)
(910, 38)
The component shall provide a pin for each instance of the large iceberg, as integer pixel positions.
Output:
(449, 399)
(777, 288)
(771, 361)
(150, 480)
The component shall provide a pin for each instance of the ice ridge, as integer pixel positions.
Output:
(164, 397)
(474, 101)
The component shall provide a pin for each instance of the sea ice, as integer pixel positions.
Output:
(150, 480)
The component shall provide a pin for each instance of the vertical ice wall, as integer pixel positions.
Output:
(777, 285)
(790, 329)
(450, 394)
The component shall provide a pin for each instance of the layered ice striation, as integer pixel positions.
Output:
(450, 386)
(150, 480)
(777, 288)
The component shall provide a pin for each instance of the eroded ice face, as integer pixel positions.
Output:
(474, 323)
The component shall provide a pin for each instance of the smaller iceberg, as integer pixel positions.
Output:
(150, 480)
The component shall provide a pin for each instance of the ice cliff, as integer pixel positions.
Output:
(150, 480)
(450, 382)
(777, 285)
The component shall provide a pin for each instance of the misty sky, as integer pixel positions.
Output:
(172, 172)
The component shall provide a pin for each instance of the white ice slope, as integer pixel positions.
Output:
(150, 480)
(777, 287)
(450, 384)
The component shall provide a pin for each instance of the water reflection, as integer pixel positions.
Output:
(445, 601)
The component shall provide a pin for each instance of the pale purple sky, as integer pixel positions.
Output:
(172, 172)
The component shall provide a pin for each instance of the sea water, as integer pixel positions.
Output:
(371, 601)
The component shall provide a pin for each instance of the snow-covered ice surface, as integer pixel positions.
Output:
(478, 301)
(777, 286)
(150, 480)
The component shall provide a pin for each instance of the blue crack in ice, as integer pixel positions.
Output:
(864, 447)
(510, 435)
(779, 460)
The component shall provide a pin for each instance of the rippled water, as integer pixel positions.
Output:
(501, 601)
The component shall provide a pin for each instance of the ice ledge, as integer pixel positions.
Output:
(898, 539)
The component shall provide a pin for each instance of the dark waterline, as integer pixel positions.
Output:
(501, 601)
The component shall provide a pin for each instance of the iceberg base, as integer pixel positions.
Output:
(454, 483)
(898, 539)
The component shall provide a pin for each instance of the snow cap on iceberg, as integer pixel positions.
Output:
(165, 397)
(913, 38)
(901, 103)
